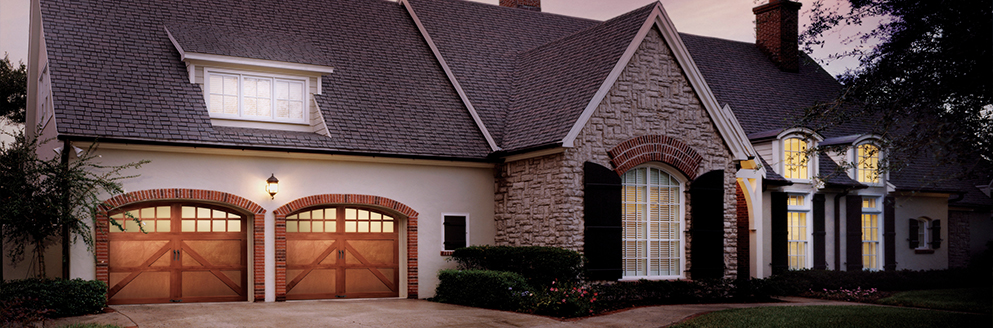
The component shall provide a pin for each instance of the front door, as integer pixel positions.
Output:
(341, 252)
(177, 253)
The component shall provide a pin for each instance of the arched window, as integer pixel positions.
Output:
(795, 159)
(652, 224)
(867, 163)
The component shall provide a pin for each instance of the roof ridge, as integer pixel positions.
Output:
(524, 12)
(581, 31)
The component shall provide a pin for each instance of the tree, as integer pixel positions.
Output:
(13, 90)
(924, 79)
(40, 199)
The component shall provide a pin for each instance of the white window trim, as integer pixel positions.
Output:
(854, 171)
(807, 209)
(924, 224)
(682, 228)
(812, 160)
(467, 241)
(878, 210)
(274, 77)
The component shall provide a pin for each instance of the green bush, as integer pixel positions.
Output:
(800, 281)
(482, 288)
(625, 294)
(539, 265)
(562, 300)
(58, 298)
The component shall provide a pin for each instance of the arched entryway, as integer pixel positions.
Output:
(187, 246)
(344, 246)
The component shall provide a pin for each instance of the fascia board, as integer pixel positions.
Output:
(451, 76)
(727, 125)
(185, 56)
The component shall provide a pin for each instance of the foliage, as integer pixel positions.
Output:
(625, 294)
(57, 297)
(925, 80)
(868, 295)
(13, 90)
(482, 288)
(562, 300)
(801, 281)
(976, 300)
(539, 265)
(41, 197)
(833, 317)
(20, 311)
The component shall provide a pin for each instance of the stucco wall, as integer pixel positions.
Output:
(539, 201)
(933, 207)
(430, 188)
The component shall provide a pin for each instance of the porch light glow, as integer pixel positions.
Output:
(272, 186)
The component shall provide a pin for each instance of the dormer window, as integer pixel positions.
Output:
(234, 95)
(795, 159)
(867, 163)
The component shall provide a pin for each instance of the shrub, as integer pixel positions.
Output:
(539, 265)
(19, 311)
(561, 300)
(56, 297)
(800, 281)
(624, 294)
(482, 288)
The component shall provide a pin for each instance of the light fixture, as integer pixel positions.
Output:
(272, 186)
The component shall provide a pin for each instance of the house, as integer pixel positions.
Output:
(400, 130)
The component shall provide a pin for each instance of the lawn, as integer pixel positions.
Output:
(976, 300)
(836, 317)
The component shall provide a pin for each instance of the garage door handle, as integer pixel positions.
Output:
(341, 254)
(175, 255)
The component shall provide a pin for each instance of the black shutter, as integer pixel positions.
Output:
(853, 233)
(820, 259)
(707, 231)
(780, 233)
(936, 234)
(454, 232)
(889, 234)
(602, 214)
(913, 234)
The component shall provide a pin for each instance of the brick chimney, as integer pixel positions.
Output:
(776, 33)
(523, 4)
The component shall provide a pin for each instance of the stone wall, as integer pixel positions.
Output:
(539, 201)
(959, 238)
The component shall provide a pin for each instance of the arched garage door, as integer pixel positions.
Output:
(342, 252)
(186, 253)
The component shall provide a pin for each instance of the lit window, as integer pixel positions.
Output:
(242, 96)
(797, 223)
(340, 219)
(652, 224)
(870, 233)
(795, 158)
(867, 165)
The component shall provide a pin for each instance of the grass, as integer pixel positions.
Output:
(835, 317)
(976, 300)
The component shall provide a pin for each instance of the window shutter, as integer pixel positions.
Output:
(602, 214)
(936, 234)
(707, 231)
(889, 234)
(853, 233)
(780, 233)
(912, 233)
(820, 259)
(454, 232)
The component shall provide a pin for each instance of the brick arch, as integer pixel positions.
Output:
(350, 199)
(102, 246)
(655, 148)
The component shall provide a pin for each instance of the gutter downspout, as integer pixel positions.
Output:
(65, 208)
(837, 228)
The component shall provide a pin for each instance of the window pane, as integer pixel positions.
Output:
(216, 84)
(163, 226)
(234, 226)
(230, 85)
(296, 91)
(296, 109)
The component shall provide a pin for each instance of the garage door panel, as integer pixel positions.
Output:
(305, 252)
(372, 252)
(365, 280)
(133, 253)
(148, 284)
(317, 281)
(205, 283)
(217, 252)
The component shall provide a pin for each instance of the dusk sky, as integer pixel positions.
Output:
(728, 19)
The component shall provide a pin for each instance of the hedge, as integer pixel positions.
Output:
(481, 288)
(57, 297)
(539, 265)
(799, 281)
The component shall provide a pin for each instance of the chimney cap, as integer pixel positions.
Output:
(774, 4)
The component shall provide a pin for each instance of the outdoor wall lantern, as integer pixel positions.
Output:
(272, 186)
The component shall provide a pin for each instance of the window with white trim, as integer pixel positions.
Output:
(795, 159)
(867, 163)
(256, 97)
(871, 211)
(652, 224)
(798, 240)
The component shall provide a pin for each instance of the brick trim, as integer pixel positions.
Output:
(655, 148)
(102, 247)
(350, 199)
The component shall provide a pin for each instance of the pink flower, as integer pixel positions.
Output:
(563, 300)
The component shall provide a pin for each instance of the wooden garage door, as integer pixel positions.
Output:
(177, 253)
(341, 252)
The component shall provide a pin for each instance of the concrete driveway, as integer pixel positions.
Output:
(393, 313)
